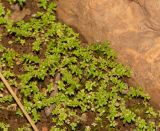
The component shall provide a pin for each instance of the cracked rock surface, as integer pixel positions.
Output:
(132, 26)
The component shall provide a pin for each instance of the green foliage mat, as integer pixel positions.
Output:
(45, 62)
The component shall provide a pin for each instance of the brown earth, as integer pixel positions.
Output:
(10, 117)
(132, 26)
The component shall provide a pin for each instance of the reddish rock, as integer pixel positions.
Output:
(132, 26)
(44, 129)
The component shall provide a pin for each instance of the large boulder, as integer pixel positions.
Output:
(132, 26)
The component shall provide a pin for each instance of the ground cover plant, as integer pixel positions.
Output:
(80, 88)
(20, 2)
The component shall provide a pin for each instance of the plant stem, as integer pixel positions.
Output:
(18, 102)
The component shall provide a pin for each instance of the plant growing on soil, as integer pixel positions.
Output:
(4, 126)
(43, 3)
(20, 2)
(57, 74)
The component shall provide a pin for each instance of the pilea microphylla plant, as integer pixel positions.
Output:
(54, 70)
(20, 2)
(42, 3)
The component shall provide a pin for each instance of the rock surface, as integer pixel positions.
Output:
(132, 26)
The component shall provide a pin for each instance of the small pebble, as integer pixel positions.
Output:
(44, 129)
